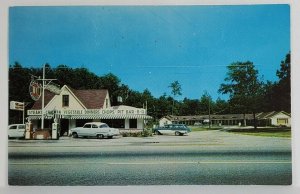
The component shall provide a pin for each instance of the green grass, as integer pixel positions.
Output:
(286, 134)
(264, 132)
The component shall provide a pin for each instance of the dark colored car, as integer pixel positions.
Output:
(173, 129)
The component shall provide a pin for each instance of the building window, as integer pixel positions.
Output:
(282, 121)
(65, 100)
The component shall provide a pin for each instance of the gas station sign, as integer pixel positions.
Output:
(35, 90)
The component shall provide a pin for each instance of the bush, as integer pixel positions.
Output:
(144, 133)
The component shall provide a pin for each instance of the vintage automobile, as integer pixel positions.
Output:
(173, 129)
(94, 129)
(16, 131)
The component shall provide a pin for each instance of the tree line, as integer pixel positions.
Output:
(248, 93)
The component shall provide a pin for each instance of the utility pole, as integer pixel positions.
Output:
(44, 85)
(43, 97)
(209, 113)
(146, 106)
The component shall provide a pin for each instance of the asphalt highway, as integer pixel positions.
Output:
(202, 158)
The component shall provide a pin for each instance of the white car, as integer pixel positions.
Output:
(95, 129)
(16, 131)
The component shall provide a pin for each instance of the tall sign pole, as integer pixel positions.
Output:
(44, 85)
(37, 90)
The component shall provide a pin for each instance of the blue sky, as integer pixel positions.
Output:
(152, 46)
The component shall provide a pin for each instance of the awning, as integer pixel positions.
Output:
(96, 116)
(110, 116)
(39, 117)
(34, 117)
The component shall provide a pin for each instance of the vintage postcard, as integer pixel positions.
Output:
(122, 95)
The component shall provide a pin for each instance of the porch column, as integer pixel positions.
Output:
(140, 124)
(126, 123)
(72, 124)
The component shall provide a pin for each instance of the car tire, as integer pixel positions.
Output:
(177, 133)
(156, 133)
(100, 136)
(74, 135)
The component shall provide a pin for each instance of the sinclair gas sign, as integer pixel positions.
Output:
(35, 90)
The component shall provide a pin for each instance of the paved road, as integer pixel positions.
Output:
(210, 157)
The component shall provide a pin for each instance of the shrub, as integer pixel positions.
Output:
(144, 133)
(125, 134)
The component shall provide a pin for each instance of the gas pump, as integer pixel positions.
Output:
(28, 129)
(55, 129)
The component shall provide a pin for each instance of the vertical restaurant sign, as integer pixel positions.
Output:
(35, 90)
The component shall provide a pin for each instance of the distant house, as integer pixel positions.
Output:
(274, 118)
(165, 120)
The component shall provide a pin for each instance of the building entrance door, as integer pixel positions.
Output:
(64, 127)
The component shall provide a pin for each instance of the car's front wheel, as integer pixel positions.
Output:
(156, 133)
(177, 133)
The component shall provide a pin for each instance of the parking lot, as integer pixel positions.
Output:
(201, 139)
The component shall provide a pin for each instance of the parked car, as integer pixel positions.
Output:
(174, 129)
(16, 131)
(95, 129)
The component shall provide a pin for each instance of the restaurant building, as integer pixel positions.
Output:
(73, 108)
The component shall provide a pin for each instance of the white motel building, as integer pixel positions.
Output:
(73, 108)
